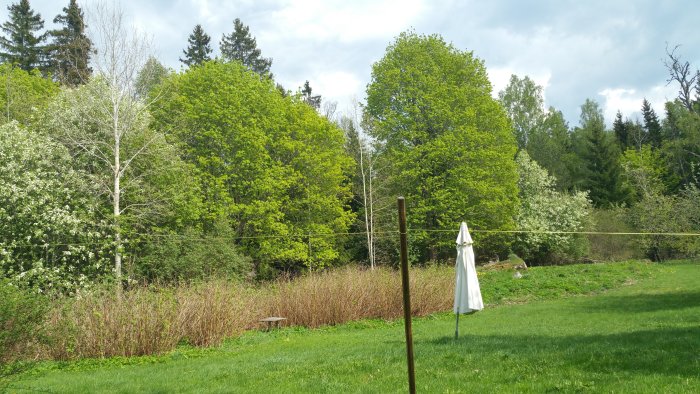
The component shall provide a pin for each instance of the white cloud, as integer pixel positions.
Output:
(344, 21)
(629, 101)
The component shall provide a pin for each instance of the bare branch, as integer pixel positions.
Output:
(680, 72)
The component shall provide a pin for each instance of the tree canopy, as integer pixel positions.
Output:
(269, 165)
(448, 142)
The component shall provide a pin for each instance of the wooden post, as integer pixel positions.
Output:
(406, 296)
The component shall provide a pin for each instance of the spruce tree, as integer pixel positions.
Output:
(600, 158)
(313, 101)
(198, 50)
(241, 46)
(21, 43)
(71, 48)
(621, 131)
(651, 124)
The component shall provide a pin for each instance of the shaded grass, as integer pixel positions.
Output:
(643, 337)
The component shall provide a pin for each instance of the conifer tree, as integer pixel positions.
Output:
(21, 44)
(313, 100)
(71, 48)
(600, 157)
(198, 50)
(241, 46)
(651, 124)
(621, 131)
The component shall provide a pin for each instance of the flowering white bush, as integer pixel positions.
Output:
(543, 210)
(48, 235)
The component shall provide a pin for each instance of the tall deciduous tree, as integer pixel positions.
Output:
(71, 48)
(681, 72)
(241, 46)
(22, 43)
(23, 94)
(429, 105)
(269, 165)
(149, 78)
(198, 48)
(524, 104)
(117, 118)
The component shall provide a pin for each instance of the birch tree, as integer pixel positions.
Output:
(121, 54)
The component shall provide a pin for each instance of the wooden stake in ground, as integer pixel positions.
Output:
(406, 296)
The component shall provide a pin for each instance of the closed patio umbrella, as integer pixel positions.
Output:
(467, 291)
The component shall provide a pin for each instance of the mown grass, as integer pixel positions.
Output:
(643, 336)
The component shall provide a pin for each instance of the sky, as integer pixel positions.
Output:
(609, 51)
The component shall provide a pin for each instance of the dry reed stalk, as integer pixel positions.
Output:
(154, 320)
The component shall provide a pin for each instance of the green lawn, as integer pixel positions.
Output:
(643, 336)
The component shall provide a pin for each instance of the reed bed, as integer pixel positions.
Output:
(154, 319)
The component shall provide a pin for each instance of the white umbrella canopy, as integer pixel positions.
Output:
(467, 292)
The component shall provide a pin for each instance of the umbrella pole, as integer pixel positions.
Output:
(457, 327)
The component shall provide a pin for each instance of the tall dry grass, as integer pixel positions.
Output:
(151, 320)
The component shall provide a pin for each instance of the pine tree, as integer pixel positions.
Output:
(198, 50)
(241, 46)
(71, 48)
(21, 45)
(651, 124)
(313, 101)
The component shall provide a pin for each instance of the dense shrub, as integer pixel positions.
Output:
(190, 255)
(22, 316)
(606, 247)
(544, 210)
(49, 236)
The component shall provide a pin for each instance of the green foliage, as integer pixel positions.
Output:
(545, 210)
(651, 124)
(601, 170)
(240, 46)
(524, 104)
(191, 254)
(270, 165)
(447, 142)
(198, 48)
(150, 77)
(313, 100)
(606, 247)
(22, 316)
(681, 145)
(644, 171)
(25, 94)
(70, 49)
(49, 236)
(21, 45)
(157, 190)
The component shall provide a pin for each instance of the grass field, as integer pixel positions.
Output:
(643, 336)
